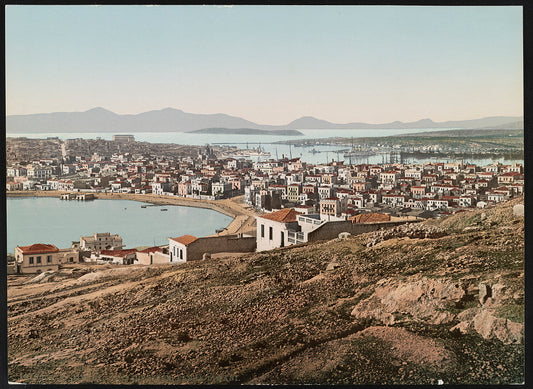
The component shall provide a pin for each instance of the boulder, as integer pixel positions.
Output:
(489, 326)
(518, 210)
(491, 296)
(332, 265)
(426, 299)
(483, 321)
(344, 235)
(43, 277)
(471, 228)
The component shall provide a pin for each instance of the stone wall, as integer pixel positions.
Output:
(332, 230)
(220, 244)
(152, 258)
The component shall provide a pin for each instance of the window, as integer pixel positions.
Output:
(270, 233)
(181, 254)
(262, 230)
(31, 260)
(48, 259)
(38, 259)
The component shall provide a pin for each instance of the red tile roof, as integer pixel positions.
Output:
(151, 250)
(285, 215)
(117, 253)
(185, 239)
(38, 248)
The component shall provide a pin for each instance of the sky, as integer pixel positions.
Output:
(267, 64)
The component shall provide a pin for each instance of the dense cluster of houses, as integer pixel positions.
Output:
(299, 202)
(337, 192)
(202, 177)
(333, 190)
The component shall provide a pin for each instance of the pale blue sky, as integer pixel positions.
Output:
(268, 64)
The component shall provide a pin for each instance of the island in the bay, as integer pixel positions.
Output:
(245, 131)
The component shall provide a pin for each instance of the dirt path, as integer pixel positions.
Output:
(77, 299)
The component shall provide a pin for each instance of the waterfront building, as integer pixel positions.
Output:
(221, 189)
(16, 171)
(119, 257)
(12, 185)
(39, 172)
(123, 138)
(37, 258)
(101, 241)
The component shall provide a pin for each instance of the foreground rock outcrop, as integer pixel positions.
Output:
(425, 299)
(414, 308)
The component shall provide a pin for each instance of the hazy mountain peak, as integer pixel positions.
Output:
(99, 110)
(99, 119)
(426, 120)
(170, 109)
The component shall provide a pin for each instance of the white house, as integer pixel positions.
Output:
(434, 204)
(466, 201)
(158, 187)
(496, 197)
(273, 228)
(177, 247)
(393, 200)
(220, 188)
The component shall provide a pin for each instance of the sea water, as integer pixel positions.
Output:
(315, 154)
(59, 222)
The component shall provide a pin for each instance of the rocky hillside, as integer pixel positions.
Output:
(441, 301)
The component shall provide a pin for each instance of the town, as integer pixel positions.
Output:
(294, 202)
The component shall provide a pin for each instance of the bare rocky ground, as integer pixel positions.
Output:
(440, 301)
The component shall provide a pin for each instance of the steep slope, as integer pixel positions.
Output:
(442, 300)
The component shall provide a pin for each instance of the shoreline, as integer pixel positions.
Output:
(243, 219)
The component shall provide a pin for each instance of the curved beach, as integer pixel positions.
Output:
(243, 217)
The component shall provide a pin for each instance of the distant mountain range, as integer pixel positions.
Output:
(175, 120)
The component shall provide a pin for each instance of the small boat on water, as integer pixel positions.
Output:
(164, 209)
(143, 206)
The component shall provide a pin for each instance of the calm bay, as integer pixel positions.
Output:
(59, 222)
(315, 154)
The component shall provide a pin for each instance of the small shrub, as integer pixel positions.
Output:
(183, 336)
